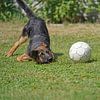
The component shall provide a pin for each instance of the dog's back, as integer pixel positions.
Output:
(37, 32)
(37, 26)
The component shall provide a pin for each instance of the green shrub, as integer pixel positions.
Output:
(55, 11)
(8, 10)
(58, 11)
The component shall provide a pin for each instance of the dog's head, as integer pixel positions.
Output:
(43, 55)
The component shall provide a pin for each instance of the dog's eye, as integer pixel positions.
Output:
(42, 53)
(47, 51)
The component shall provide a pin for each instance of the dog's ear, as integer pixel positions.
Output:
(33, 53)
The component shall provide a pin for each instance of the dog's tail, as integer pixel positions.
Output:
(25, 7)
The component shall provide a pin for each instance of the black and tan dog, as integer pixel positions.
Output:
(39, 44)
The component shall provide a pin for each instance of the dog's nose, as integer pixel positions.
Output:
(50, 59)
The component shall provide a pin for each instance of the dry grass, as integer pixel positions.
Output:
(74, 29)
(61, 29)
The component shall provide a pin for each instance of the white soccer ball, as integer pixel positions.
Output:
(80, 52)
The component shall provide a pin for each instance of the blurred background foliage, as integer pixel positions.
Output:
(8, 10)
(54, 11)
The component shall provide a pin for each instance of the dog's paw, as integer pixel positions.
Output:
(23, 57)
(19, 59)
(9, 53)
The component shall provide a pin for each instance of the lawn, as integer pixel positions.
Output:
(61, 80)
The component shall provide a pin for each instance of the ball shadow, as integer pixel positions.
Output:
(92, 60)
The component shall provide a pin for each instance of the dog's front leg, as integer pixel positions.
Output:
(21, 40)
(24, 57)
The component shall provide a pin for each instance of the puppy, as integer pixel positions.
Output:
(39, 43)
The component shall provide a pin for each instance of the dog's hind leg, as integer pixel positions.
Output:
(21, 40)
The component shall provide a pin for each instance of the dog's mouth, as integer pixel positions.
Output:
(48, 61)
(43, 60)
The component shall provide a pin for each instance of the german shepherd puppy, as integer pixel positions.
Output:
(37, 32)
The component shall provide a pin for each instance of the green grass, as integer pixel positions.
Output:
(61, 80)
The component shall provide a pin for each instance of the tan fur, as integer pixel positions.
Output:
(42, 46)
(16, 45)
(23, 57)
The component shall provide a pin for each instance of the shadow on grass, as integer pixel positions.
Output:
(17, 54)
(92, 60)
(87, 62)
(57, 55)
